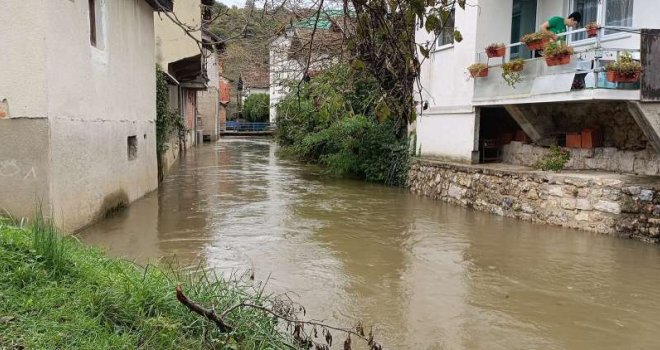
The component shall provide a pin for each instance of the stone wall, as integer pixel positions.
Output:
(621, 205)
(643, 162)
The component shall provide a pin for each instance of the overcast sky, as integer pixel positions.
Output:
(230, 3)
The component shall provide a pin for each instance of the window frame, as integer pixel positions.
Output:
(600, 18)
(439, 44)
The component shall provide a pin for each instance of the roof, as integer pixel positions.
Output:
(159, 5)
(188, 71)
(211, 39)
(325, 20)
(256, 77)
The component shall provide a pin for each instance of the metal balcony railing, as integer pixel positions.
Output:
(586, 70)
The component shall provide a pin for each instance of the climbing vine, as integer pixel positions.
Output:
(169, 123)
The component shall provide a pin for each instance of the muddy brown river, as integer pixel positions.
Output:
(427, 275)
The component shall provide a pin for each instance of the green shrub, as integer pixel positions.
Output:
(331, 120)
(554, 161)
(256, 108)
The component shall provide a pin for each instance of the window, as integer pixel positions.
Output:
(617, 13)
(446, 35)
(132, 147)
(96, 28)
(92, 22)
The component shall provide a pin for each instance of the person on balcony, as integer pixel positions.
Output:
(557, 25)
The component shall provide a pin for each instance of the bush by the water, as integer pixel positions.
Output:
(257, 108)
(554, 161)
(332, 120)
(57, 294)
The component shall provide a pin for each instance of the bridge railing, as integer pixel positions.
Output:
(241, 126)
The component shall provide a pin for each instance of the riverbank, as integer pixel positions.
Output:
(58, 294)
(609, 203)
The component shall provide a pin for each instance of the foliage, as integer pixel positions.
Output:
(477, 68)
(337, 119)
(534, 37)
(511, 71)
(625, 65)
(492, 49)
(555, 161)
(168, 122)
(58, 294)
(256, 108)
(592, 25)
(557, 49)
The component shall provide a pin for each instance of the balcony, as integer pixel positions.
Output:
(584, 79)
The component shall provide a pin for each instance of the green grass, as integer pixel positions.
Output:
(58, 294)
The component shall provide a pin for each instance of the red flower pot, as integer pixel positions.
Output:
(479, 73)
(616, 77)
(498, 52)
(592, 32)
(537, 45)
(557, 60)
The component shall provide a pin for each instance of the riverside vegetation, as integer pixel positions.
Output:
(56, 293)
(336, 120)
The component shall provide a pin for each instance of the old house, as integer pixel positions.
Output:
(611, 126)
(179, 53)
(77, 107)
(295, 52)
(209, 102)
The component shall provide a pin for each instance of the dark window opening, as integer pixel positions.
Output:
(92, 22)
(132, 147)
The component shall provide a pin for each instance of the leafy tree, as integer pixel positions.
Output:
(256, 108)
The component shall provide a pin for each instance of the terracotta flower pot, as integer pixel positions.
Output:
(616, 77)
(537, 44)
(592, 32)
(499, 52)
(557, 60)
(479, 73)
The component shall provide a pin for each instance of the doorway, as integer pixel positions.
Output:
(523, 21)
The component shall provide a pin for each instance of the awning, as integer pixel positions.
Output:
(188, 71)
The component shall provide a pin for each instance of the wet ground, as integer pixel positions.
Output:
(426, 274)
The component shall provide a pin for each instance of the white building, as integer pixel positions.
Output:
(77, 107)
(291, 56)
(464, 114)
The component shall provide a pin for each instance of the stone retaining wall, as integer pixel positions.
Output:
(614, 204)
(644, 162)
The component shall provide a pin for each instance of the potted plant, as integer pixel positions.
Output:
(496, 50)
(478, 70)
(624, 70)
(511, 71)
(592, 29)
(535, 41)
(557, 53)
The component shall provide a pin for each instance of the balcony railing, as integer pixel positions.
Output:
(577, 80)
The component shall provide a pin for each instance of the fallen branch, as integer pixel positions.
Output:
(200, 310)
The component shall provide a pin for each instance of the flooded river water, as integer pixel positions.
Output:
(427, 275)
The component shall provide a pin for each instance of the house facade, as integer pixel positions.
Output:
(180, 54)
(295, 52)
(209, 102)
(475, 120)
(77, 107)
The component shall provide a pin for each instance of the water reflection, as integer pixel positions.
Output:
(429, 275)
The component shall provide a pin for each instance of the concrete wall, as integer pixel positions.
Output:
(88, 100)
(172, 43)
(96, 100)
(208, 101)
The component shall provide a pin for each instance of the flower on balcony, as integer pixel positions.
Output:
(557, 53)
(592, 29)
(478, 70)
(511, 71)
(624, 70)
(536, 41)
(496, 50)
